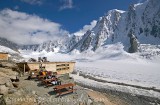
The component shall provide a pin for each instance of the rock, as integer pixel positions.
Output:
(89, 101)
(134, 44)
(15, 84)
(97, 103)
(64, 77)
(9, 84)
(3, 80)
(8, 64)
(19, 92)
(1, 65)
(4, 72)
(33, 92)
(3, 89)
(13, 76)
(15, 68)
(11, 91)
(2, 101)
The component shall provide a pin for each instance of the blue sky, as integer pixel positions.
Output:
(66, 15)
(80, 12)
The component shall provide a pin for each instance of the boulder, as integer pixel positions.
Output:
(3, 89)
(11, 91)
(8, 64)
(4, 80)
(33, 92)
(5, 72)
(9, 84)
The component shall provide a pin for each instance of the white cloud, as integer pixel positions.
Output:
(67, 4)
(33, 2)
(86, 28)
(23, 28)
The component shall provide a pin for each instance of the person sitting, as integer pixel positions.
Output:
(54, 82)
(49, 77)
(43, 73)
(49, 73)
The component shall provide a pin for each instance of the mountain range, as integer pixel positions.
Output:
(139, 25)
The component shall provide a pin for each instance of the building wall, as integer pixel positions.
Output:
(33, 66)
(59, 67)
(67, 68)
(3, 56)
(50, 66)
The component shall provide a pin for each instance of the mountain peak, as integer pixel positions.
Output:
(114, 11)
(117, 25)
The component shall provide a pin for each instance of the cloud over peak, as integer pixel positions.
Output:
(23, 28)
(86, 28)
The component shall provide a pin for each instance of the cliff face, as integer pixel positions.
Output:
(141, 21)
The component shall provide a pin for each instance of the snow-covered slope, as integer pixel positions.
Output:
(6, 50)
(111, 63)
(103, 30)
(143, 20)
(139, 25)
(13, 55)
(9, 44)
(48, 46)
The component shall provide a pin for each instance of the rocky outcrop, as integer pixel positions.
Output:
(3, 89)
(5, 84)
(6, 74)
(134, 44)
(9, 65)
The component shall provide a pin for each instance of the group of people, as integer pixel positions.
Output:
(47, 75)
(52, 77)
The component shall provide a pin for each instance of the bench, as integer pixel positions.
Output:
(68, 89)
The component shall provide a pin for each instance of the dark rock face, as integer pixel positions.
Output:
(134, 44)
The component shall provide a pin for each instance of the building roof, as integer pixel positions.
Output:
(44, 62)
(3, 53)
